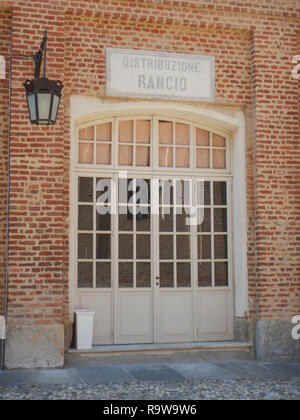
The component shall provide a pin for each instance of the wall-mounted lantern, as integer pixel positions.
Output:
(43, 95)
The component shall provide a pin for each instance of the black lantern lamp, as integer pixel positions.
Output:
(43, 95)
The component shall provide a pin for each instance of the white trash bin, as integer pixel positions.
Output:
(84, 328)
(2, 328)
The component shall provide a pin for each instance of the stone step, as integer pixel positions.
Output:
(160, 353)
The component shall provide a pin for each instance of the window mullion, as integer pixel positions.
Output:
(174, 233)
(212, 234)
(134, 144)
(134, 233)
(94, 231)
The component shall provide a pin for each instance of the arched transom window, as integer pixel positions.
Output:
(153, 143)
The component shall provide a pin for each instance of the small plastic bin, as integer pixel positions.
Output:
(2, 328)
(84, 328)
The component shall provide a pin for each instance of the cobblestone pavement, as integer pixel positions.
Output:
(169, 381)
(216, 389)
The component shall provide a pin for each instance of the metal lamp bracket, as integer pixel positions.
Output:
(38, 56)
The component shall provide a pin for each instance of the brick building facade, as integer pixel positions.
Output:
(253, 44)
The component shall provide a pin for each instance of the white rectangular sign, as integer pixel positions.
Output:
(152, 74)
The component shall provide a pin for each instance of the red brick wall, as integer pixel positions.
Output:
(5, 34)
(277, 171)
(253, 44)
(37, 167)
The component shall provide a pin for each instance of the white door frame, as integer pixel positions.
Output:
(96, 109)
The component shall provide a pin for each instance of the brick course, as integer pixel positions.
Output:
(253, 44)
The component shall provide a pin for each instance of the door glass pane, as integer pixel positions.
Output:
(205, 226)
(103, 220)
(103, 247)
(85, 190)
(181, 222)
(166, 192)
(143, 221)
(183, 274)
(143, 274)
(203, 193)
(103, 274)
(165, 132)
(220, 193)
(125, 220)
(182, 157)
(125, 274)
(183, 247)
(125, 246)
(86, 133)
(143, 245)
(182, 133)
(125, 155)
(166, 275)
(143, 192)
(85, 274)
(207, 198)
(85, 217)
(202, 137)
(85, 245)
(166, 219)
(103, 154)
(220, 220)
(165, 157)
(183, 197)
(221, 246)
(221, 274)
(85, 153)
(103, 132)
(103, 190)
(143, 131)
(219, 158)
(204, 247)
(125, 190)
(126, 131)
(204, 274)
(166, 247)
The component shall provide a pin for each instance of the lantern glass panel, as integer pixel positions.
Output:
(55, 107)
(44, 101)
(31, 107)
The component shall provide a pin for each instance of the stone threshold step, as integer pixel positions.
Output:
(157, 348)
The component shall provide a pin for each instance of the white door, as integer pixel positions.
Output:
(174, 280)
(156, 287)
(151, 273)
(134, 242)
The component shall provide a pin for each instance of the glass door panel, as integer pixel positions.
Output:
(134, 232)
(94, 239)
(174, 235)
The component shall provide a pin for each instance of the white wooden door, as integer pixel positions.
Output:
(151, 274)
(134, 240)
(156, 282)
(174, 280)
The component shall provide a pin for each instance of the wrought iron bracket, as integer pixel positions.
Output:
(38, 56)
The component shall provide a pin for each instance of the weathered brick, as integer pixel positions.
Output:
(253, 44)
